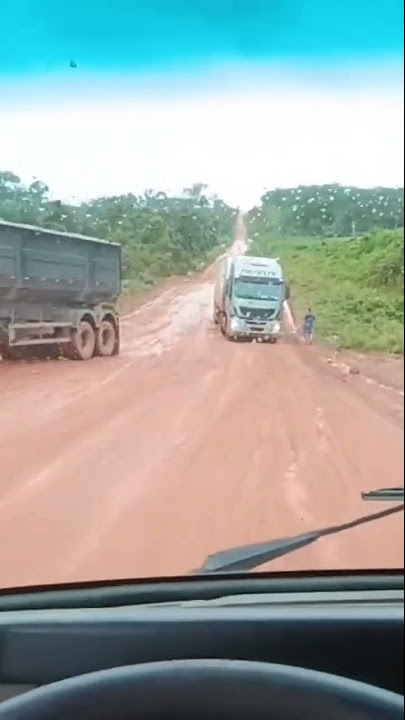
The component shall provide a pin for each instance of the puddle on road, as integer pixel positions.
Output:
(172, 316)
(178, 316)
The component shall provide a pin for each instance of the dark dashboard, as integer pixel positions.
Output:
(354, 630)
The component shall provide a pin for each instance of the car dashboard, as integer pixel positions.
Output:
(357, 633)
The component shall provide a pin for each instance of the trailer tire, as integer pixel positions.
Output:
(117, 345)
(83, 343)
(106, 339)
(13, 354)
(7, 355)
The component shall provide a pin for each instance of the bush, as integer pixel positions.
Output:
(355, 287)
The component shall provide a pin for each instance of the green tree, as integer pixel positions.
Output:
(329, 210)
(161, 235)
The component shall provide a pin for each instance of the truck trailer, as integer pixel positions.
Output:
(249, 297)
(58, 291)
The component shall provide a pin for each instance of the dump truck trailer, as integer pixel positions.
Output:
(249, 297)
(58, 291)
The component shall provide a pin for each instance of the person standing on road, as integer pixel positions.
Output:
(309, 326)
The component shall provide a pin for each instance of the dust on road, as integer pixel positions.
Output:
(185, 444)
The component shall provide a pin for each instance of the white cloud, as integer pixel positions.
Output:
(238, 144)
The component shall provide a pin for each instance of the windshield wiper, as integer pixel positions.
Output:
(248, 557)
(385, 494)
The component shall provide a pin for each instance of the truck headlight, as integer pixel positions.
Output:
(235, 323)
(276, 327)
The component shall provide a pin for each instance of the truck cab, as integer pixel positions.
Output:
(249, 298)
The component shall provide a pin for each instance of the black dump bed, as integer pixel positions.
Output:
(39, 265)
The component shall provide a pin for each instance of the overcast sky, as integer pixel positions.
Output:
(238, 144)
(241, 96)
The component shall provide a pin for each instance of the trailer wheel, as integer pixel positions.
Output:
(83, 344)
(117, 344)
(106, 341)
(12, 354)
(7, 355)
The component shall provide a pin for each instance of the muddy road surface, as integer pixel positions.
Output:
(185, 444)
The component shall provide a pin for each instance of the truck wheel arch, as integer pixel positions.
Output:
(88, 318)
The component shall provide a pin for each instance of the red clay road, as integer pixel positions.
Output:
(185, 444)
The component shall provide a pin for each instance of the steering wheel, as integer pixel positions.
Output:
(205, 689)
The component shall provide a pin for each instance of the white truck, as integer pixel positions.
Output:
(249, 297)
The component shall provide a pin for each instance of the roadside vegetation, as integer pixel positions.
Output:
(355, 284)
(161, 236)
(342, 247)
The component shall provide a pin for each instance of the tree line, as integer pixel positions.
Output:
(160, 235)
(328, 210)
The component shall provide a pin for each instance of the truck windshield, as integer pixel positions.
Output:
(258, 289)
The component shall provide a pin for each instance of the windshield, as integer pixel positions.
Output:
(146, 423)
(253, 289)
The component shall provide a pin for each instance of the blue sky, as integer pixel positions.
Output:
(168, 91)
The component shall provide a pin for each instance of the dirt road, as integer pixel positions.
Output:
(185, 444)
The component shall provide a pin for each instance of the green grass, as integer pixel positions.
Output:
(355, 287)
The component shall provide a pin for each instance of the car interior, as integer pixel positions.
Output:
(280, 645)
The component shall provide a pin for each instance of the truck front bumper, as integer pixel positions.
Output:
(239, 328)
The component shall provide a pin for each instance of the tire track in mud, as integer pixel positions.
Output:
(186, 444)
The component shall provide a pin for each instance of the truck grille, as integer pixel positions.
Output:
(256, 314)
